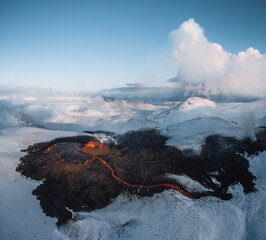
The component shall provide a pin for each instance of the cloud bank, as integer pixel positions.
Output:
(205, 68)
(74, 111)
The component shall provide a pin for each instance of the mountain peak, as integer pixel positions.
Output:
(194, 102)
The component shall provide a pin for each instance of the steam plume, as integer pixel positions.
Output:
(206, 68)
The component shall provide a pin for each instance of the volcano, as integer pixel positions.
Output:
(83, 174)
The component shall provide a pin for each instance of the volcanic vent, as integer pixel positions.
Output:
(83, 174)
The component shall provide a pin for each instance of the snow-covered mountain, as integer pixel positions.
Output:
(10, 119)
(246, 115)
(190, 134)
(196, 102)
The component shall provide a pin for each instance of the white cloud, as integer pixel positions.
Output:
(205, 68)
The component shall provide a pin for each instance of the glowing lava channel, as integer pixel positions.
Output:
(174, 186)
(88, 162)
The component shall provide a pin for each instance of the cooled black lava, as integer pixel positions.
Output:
(82, 174)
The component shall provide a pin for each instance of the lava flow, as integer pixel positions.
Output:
(93, 144)
(90, 149)
(82, 174)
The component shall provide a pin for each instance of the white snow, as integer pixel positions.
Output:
(167, 215)
(196, 102)
(20, 214)
(9, 119)
(191, 185)
(191, 134)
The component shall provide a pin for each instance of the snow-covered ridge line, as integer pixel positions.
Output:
(196, 102)
(10, 119)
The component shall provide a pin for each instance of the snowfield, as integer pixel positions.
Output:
(20, 214)
(167, 215)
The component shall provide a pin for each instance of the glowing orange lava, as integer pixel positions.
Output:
(47, 150)
(93, 144)
(87, 163)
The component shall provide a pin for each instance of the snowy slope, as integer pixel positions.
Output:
(11, 119)
(196, 102)
(190, 134)
(199, 107)
(20, 214)
(163, 216)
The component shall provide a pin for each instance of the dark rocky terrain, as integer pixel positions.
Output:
(82, 174)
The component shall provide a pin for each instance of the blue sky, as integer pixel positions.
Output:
(90, 45)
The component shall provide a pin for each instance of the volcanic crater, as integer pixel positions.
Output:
(82, 173)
